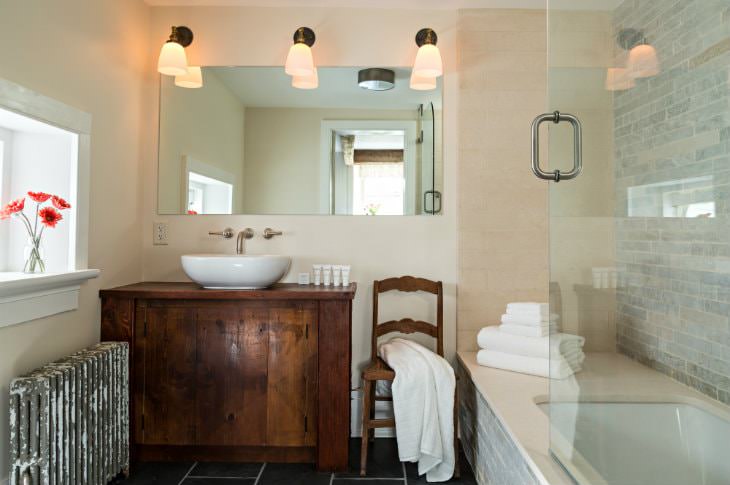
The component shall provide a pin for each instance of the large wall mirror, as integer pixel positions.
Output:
(247, 142)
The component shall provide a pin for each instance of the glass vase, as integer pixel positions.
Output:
(34, 255)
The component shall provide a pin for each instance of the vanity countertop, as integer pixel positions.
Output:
(193, 291)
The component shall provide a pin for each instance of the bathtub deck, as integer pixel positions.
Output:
(513, 398)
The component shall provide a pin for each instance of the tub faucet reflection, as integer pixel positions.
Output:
(242, 236)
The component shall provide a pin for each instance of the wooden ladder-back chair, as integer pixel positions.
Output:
(378, 370)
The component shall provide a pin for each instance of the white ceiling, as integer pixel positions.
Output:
(270, 87)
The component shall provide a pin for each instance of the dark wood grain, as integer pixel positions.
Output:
(243, 454)
(231, 375)
(289, 354)
(169, 354)
(406, 325)
(408, 283)
(335, 327)
(192, 291)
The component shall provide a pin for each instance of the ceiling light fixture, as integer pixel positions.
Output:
(172, 60)
(428, 59)
(299, 61)
(376, 79)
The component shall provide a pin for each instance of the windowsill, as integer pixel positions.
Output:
(25, 297)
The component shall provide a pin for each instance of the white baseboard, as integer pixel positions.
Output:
(383, 409)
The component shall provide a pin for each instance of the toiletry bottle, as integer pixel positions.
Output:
(345, 274)
(336, 275)
(317, 270)
(327, 274)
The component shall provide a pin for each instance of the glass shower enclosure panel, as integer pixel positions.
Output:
(635, 150)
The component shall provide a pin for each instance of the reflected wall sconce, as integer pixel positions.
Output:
(618, 79)
(193, 78)
(306, 82)
(428, 59)
(299, 61)
(643, 61)
(420, 83)
(172, 60)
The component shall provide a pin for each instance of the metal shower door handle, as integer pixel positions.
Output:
(556, 118)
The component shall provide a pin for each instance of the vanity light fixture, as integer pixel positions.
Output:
(299, 61)
(172, 60)
(306, 82)
(643, 61)
(420, 83)
(428, 59)
(193, 78)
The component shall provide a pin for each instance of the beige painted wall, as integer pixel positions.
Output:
(376, 247)
(206, 124)
(503, 247)
(283, 155)
(93, 55)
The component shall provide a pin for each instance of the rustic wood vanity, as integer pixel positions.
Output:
(230, 375)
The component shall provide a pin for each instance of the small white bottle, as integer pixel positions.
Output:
(327, 274)
(336, 275)
(345, 274)
(317, 270)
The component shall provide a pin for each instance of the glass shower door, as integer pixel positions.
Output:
(639, 239)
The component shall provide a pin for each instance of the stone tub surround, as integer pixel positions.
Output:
(514, 445)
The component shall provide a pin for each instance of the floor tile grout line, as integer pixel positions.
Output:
(187, 474)
(261, 472)
(405, 475)
(332, 478)
(209, 477)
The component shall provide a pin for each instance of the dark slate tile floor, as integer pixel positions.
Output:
(383, 469)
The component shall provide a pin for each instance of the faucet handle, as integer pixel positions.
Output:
(226, 233)
(247, 233)
(269, 233)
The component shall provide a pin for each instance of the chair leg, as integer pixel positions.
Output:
(373, 394)
(457, 464)
(366, 400)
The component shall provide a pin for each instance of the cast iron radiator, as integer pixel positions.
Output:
(69, 419)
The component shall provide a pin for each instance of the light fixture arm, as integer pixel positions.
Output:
(426, 36)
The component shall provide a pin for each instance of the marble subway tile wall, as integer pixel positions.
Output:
(502, 207)
(672, 179)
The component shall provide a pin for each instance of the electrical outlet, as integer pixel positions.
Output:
(159, 234)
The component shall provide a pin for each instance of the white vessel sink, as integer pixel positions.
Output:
(235, 271)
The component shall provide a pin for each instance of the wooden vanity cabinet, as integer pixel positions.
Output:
(216, 375)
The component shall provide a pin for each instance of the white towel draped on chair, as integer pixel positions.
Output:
(423, 404)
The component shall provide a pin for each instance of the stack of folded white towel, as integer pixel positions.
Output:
(528, 341)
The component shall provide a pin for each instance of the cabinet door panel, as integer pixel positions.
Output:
(231, 375)
(292, 365)
(167, 344)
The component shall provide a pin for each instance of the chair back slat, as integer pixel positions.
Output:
(408, 325)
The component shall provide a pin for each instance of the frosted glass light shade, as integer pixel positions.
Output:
(428, 61)
(420, 83)
(306, 82)
(172, 60)
(618, 79)
(299, 62)
(643, 61)
(193, 78)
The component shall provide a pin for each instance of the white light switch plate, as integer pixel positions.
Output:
(159, 234)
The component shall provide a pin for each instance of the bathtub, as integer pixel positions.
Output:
(618, 443)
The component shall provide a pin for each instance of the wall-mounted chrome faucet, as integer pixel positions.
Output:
(228, 233)
(242, 236)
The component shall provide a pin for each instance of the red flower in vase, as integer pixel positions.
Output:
(49, 216)
(12, 207)
(60, 203)
(39, 197)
